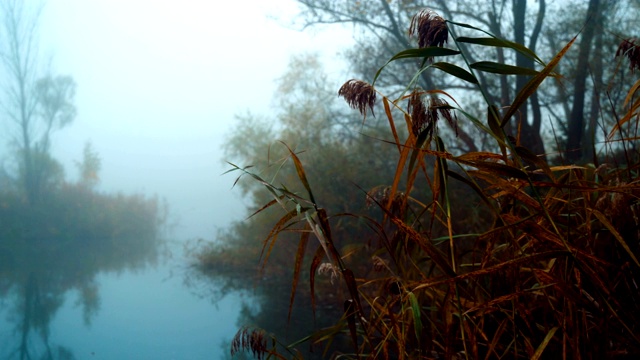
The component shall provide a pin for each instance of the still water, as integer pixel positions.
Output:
(142, 314)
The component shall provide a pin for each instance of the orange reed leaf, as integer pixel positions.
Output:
(490, 306)
(350, 313)
(425, 244)
(301, 173)
(302, 246)
(547, 255)
(267, 205)
(392, 126)
(533, 84)
(270, 240)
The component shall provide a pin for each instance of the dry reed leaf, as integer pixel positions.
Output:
(302, 246)
(533, 84)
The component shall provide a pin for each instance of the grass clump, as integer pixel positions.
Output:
(550, 272)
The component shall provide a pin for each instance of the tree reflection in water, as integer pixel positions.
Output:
(62, 244)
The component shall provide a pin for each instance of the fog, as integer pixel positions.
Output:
(159, 83)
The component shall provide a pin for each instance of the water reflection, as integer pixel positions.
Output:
(142, 313)
(61, 244)
(32, 300)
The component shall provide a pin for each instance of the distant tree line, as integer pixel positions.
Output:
(56, 234)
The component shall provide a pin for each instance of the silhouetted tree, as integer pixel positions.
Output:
(34, 103)
(574, 103)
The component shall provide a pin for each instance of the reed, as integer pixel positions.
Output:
(553, 271)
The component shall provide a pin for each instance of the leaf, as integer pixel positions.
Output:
(531, 86)
(440, 172)
(273, 235)
(479, 156)
(504, 69)
(538, 161)
(456, 71)
(493, 120)
(350, 313)
(301, 174)
(631, 113)
(415, 310)
(392, 126)
(430, 51)
(425, 244)
(518, 262)
(323, 219)
(544, 344)
(497, 42)
(496, 168)
(302, 246)
(427, 52)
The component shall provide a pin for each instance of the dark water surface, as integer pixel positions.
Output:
(143, 314)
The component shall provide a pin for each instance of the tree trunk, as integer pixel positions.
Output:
(530, 132)
(577, 119)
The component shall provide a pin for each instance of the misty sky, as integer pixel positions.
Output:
(159, 83)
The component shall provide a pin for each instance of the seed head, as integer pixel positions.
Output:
(419, 116)
(430, 27)
(442, 107)
(359, 95)
(250, 340)
(426, 118)
(630, 49)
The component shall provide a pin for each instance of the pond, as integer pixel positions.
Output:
(147, 313)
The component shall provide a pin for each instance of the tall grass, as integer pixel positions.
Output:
(553, 272)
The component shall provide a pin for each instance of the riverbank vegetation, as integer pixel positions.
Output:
(56, 233)
(409, 241)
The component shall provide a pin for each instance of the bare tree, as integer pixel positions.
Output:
(34, 103)
(380, 32)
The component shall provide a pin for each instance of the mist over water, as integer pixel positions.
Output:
(157, 88)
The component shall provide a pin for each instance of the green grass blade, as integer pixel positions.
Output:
(504, 69)
(415, 311)
(456, 71)
(497, 42)
(427, 52)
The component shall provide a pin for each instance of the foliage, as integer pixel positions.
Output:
(543, 26)
(35, 104)
(89, 167)
(306, 121)
(61, 242)
(55, 236)
(552, 273)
